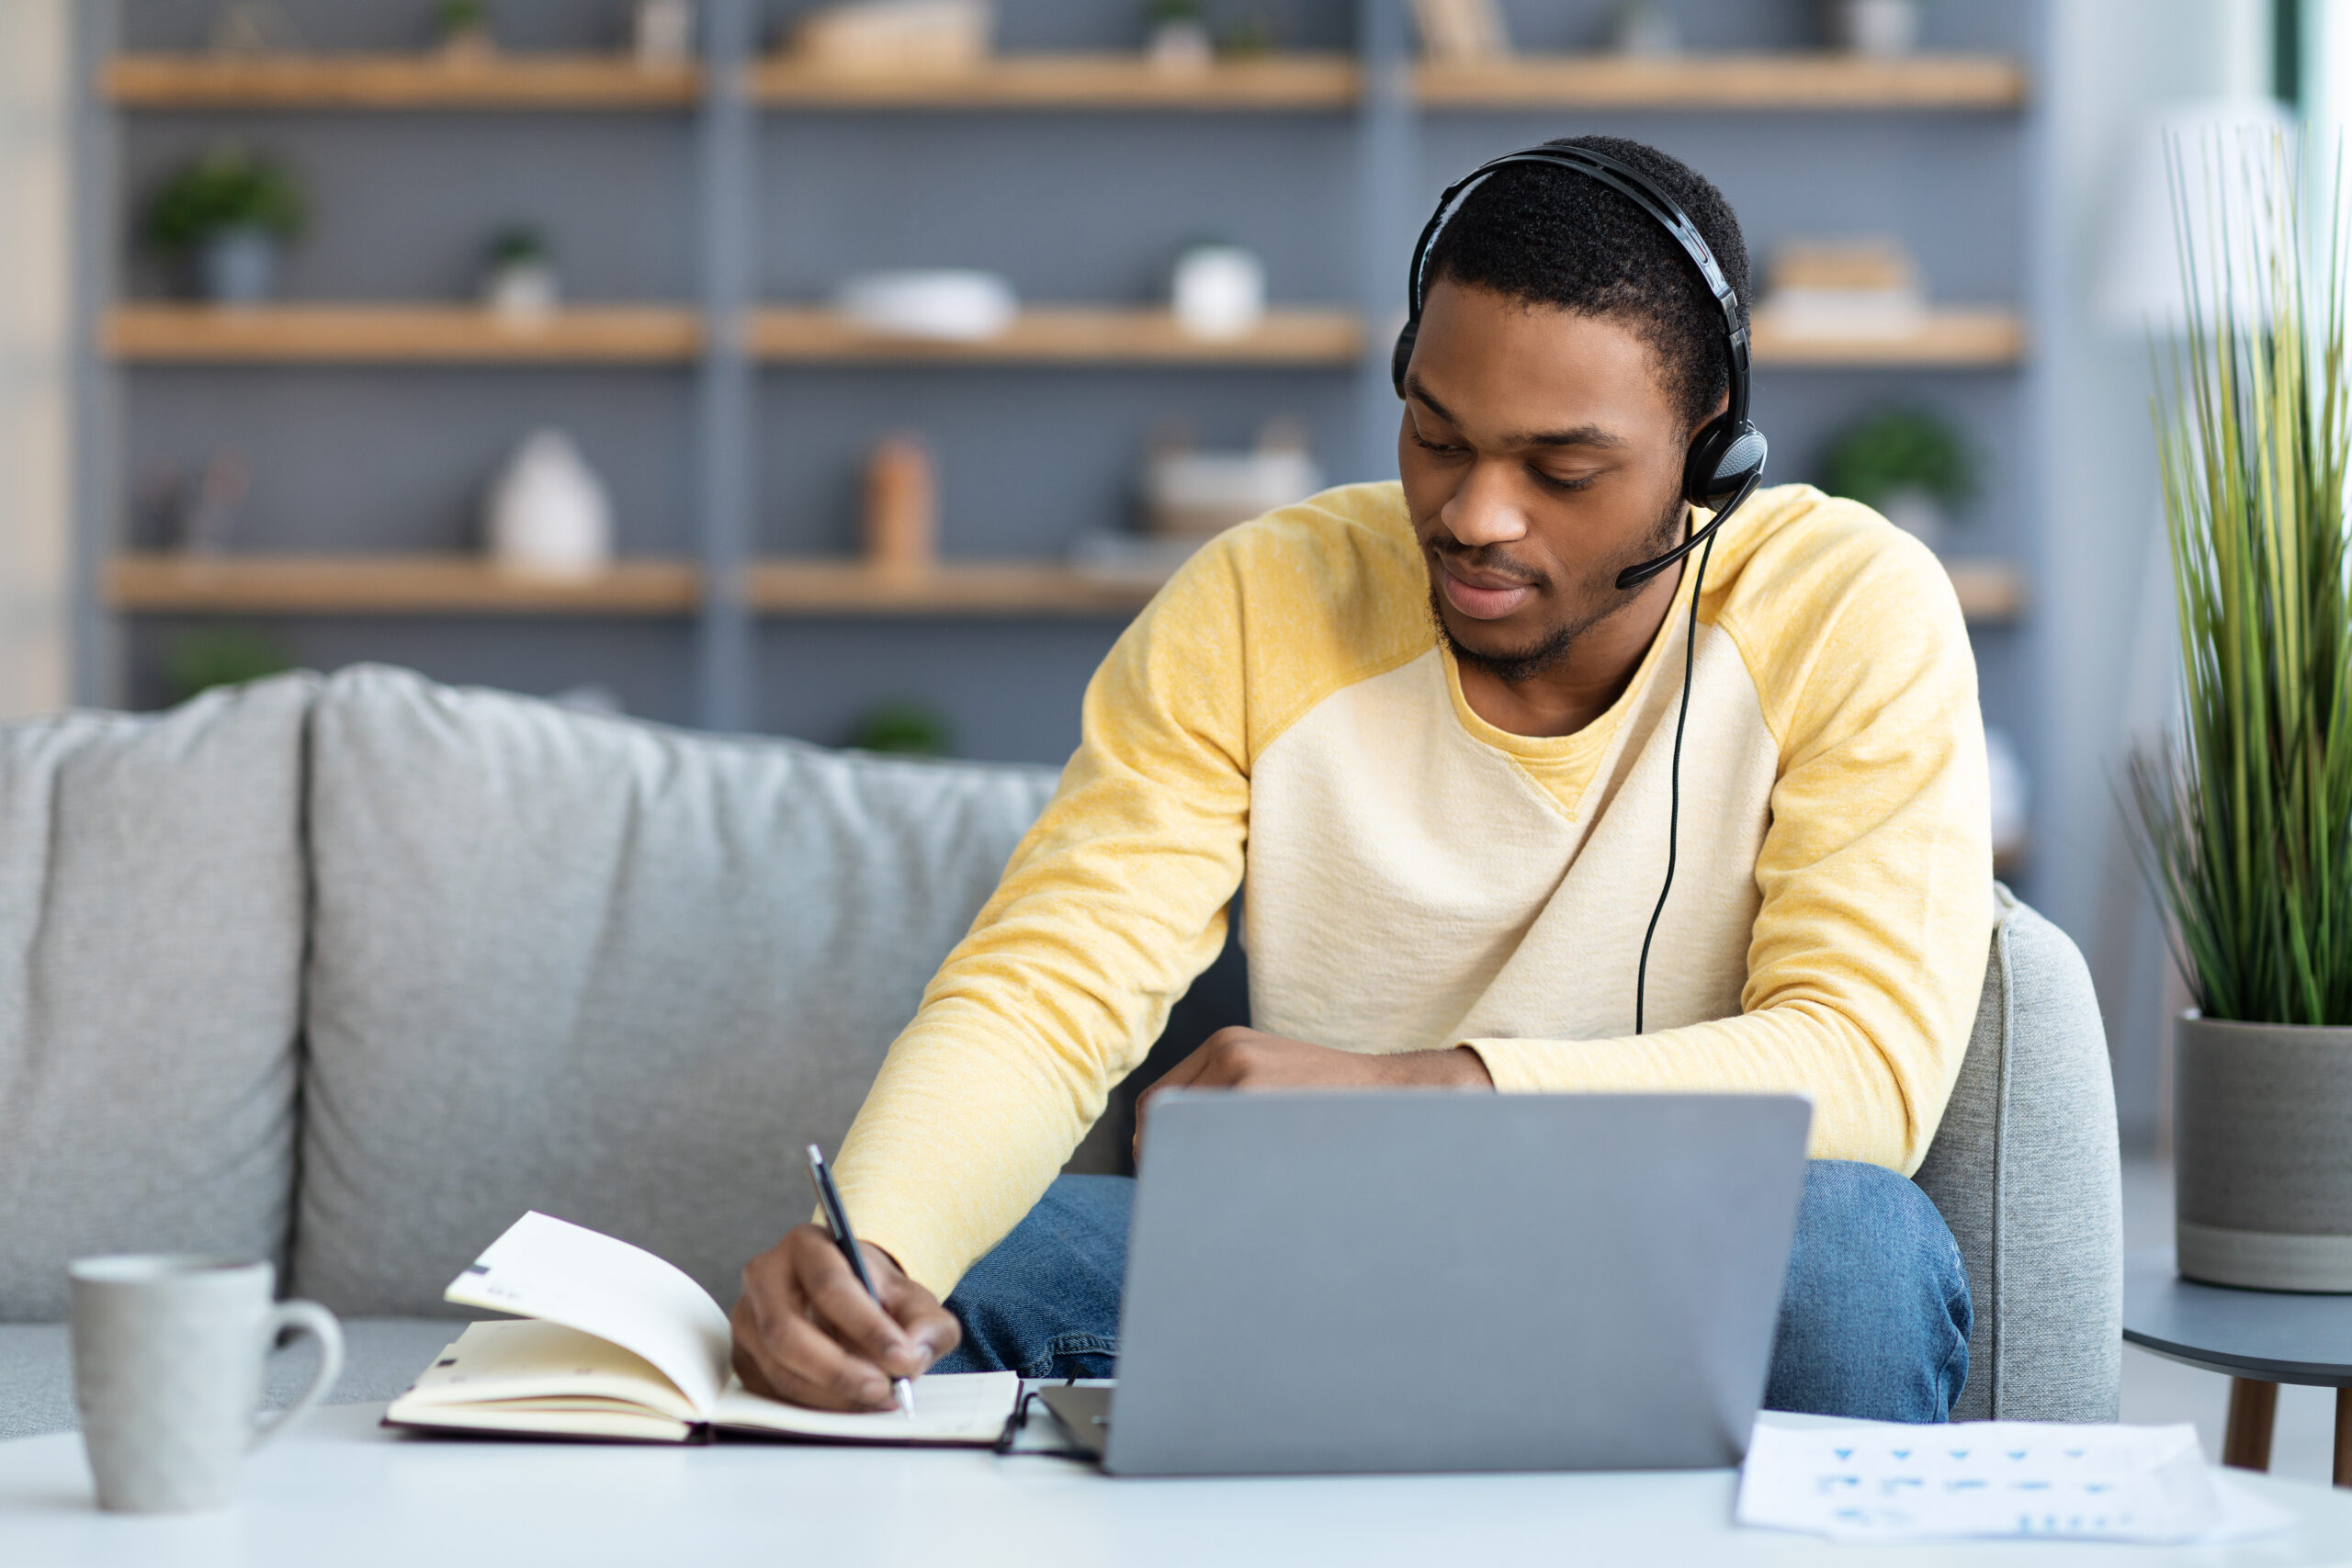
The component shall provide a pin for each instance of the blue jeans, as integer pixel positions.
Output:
(1874, 1315)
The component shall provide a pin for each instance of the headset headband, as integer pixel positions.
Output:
(1635, 187)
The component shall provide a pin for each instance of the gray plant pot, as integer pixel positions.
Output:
(2263, 1138)
(237, 267)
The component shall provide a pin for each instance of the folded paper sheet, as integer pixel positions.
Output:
(1875, 1481)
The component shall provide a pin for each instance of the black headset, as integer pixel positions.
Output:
(1727, 458)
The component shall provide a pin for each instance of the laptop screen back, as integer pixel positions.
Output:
(1444, 1281)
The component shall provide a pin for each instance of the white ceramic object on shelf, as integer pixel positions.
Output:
(1182, 46)
(1880, 28)
(663, 32)
(167, 1374)
(944, 303)
(522, 292)
(549, 515)
(1218, 291)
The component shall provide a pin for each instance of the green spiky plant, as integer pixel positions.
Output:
(2245, 820)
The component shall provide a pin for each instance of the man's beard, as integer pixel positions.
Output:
(1523, 665)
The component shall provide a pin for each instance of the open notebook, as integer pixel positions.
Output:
(619, 1344)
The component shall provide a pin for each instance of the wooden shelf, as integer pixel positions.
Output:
(1989, 590)
(394, 334)
(952, 588)
(1056, 81)
(1295, 82)
(428, 334)
(397, 82)
(404, 584)
(1726, 81)
(1049, 335)
(1950, 339)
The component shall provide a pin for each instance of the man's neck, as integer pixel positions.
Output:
(1584, 684)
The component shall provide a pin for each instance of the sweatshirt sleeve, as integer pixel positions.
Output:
(1113, 903)
(1867, 953)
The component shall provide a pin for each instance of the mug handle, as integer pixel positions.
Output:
(304, 1317)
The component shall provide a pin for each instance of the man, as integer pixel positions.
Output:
(1439, 738)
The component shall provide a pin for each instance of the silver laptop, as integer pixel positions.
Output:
(1420, 1281)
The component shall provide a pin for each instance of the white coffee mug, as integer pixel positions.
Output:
(168, 1352)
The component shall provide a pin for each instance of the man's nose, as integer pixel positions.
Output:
(1484, 508)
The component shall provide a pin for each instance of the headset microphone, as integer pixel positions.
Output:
(1721, 469)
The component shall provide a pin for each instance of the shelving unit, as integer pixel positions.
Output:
(398, 82)
(396, 334)
(1065, 335)
(1125, 81)
(1949, 338)
(1716, 83)
(654, 334)
(703, 378)
(1991, 592)
(391, 585)
(1302, 83)
(952, 588)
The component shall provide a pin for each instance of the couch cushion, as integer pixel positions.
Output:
(151, 949)
(615, 973)
(2024, 1170)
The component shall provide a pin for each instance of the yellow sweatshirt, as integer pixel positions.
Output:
(1418, 878)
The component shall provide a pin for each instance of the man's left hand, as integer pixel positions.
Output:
(1244, 1059)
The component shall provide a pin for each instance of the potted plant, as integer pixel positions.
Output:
(2246, 820)
(519, 282)
(228, 213)
(1911, 466)
(1179, 37)
(464, 26)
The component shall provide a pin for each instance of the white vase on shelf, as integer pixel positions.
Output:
(1218, 291)
(549, 515)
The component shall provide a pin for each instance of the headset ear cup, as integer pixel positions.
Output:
(1723, 456)
(1401, 357)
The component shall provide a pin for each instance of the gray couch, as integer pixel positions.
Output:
(349, 972)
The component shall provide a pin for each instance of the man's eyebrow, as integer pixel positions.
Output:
(1578, 435)
(1581, 436)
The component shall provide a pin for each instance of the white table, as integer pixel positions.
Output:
(338, 1490)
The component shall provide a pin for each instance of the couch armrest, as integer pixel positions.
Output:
(2026, 1171)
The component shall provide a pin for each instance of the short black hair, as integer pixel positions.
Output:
(1548, 236)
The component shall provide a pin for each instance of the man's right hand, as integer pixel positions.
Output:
(806, 1331)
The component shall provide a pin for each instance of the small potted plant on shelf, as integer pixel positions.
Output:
(464, 28)
(1179, 39)
(1910, 464)
(226, 215)
(519, 282)
(2245, 819)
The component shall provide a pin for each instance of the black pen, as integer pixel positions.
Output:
(829, 1198)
